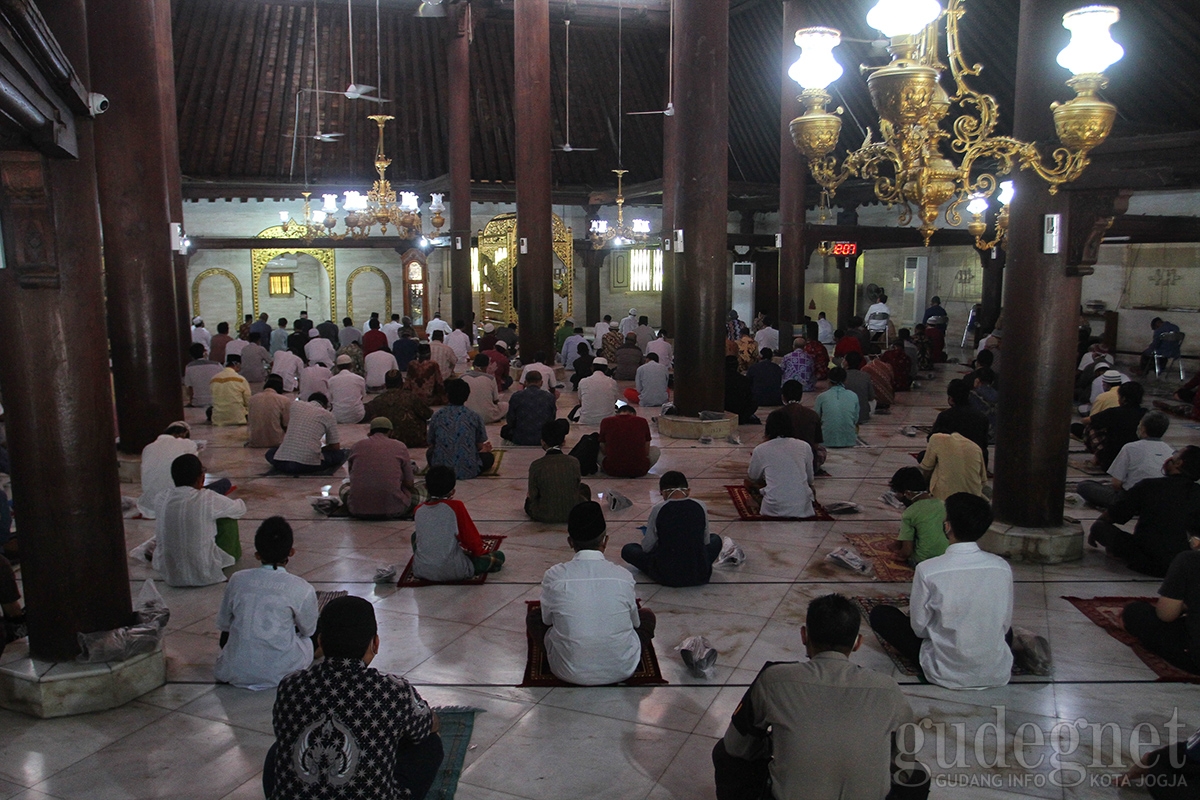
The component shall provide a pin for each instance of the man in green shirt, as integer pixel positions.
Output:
(922, 525)
(554, 483)
(838, 408)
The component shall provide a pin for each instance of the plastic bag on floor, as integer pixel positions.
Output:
(698, 656)
(144, 552)
(849, 558)
(843, 507)
(149, 607)
(731, 553)
(890, 499)
(617, 501)
(385, 573)
(121, 644)
(1031, 652)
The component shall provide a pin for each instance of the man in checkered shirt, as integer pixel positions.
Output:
(344, 730)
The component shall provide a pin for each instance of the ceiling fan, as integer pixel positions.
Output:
(362, 91)
(567, 147)
(669, 111)
(319, 136)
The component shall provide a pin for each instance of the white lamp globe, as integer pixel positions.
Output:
(978, 205)
(895, 18)
(1007, 190)
(330, 206)
(1092, 48)
(816, 68)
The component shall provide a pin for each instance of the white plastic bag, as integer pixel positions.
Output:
(731, 554)
(849, 558)
(617, 501)
(144, 552)
(699, 656)
(152, 615)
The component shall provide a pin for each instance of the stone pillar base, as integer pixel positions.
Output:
(1035, 545)
(695, 428)
(60, 689)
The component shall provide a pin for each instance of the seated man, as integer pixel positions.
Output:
(385, 748)
(301, 451)
(484, 399)
(541, 365)
(157, 458)
(628, 359)
(677, 549)
(442, 355)
(598, 394)
(961, 607)
(650, 381)
(528, 412)
(625, 450)
(376, 366)
(922, 525)
(1116, 427)
(197, 377)
(185, 534)
(424, 378)
(822, 728)
(457, 437)
(267, 617)
(499, 365)
(1162, 348)
(860, 383)
(882, 378)
(581, 364)
(381, 482)
(960, 417)
(901, 363)
(554, 481)
(986, 399)
(319, 348)
(404, 349)
(374, 339)
(590, 622)
(739, 394)
(446, 544)
(269, 414)
(1170, 628)
(838, 409)
(570, 346)
(953, 463)
(230, 394)
(314, 379)
(781, 470)
(1136, 462)
(766, 379)
(806, 423)
(347, 392)
(408, 413)
(1167, 509)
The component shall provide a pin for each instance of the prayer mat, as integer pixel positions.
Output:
(455, 724)
(865, 604)
(749, 508)
(494, 471)
(537, 664)
(1106, 612)
(490, 545)
(323, 598)
(1086, 466)
(877, 547)
(917, 455)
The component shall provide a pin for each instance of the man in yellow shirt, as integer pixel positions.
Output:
(230, 394)
(953, 463)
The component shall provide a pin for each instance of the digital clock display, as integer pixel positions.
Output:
(844, 249)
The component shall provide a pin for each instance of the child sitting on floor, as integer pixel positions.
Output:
(446, 544)
(922, 525)
(268, 615)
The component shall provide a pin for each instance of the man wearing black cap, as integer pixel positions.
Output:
(589, 620)
(343, 729)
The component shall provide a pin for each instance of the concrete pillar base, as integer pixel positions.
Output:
(48, 689)
(1036, 545)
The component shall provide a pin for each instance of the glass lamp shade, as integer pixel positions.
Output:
(409, 201)
(284, 216)
(319, 217)
(978, 205)
(330, 206)
(1006, 192)
(641, 226)
(1092, 48)
(599, 226)
(355, 202)
(436, 205)
(816, 68)
(895, 18)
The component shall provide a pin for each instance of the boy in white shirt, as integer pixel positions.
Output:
(268, 616)
(186, 551)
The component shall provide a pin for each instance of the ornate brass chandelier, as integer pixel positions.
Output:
(908, 166)
(602, 234)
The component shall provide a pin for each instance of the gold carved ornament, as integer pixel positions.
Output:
(498, 261)
(260, 258)
(212, 273)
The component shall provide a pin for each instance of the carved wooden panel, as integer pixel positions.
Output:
(27, 212)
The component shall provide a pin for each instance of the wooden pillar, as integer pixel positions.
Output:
(1042, 306)
(132, 166)
(459, 70)
(992, 262)
(57, 388)
(535, 298)
(793, 179)
(701, 194)
(847, 289)
(592, 259)
(670, 296)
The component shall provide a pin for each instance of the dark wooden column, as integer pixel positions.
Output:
(992, 262)
(458, 56)
(57, 389)
(670, 296)
(1042, 302)
(701, 196)
(847, 289)
(535, 299)
(591, 260)
(131, 147)
(793, 177)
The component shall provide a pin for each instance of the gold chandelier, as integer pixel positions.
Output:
(907, 166)
(603, 234)
(363, 213)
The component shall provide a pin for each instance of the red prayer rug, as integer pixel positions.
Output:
(877, 547)
(1106, 612)
(490, 545)
(749, 508)
(537, 663)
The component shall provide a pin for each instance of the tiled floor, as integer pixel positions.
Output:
(465, 645)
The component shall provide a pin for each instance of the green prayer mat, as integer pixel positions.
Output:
(455, 726)
(227, 537)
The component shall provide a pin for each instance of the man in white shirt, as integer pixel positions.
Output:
(319, 348)
(630, 323)
(781, 470)
(598, 394)
(157, 458)
(185, 551)
(458, 341)
(570, 348)
(960, 627)
(200, 334)
(377, 365)
(767, 336)
(662, 348)
(599, 330)
(392, 330)
(301, 450)
(1136, 462)
(347, 392)
(878, 325)
(437, 324)
(650, 381)
(589, 619)
(484, 399)
(314, 379)
(824, 329)
(549, 379)
(198, 375)
(288, 366)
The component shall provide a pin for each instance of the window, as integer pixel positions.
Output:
(279, 284)
(645, 270)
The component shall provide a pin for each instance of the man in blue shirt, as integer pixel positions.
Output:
(1165, 350)
(838, 408)
(457, 436)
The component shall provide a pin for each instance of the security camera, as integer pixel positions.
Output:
(97, 103)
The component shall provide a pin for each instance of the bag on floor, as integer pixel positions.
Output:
(121, 644)
(1031, 652)
(851, 559)
(698, 656)
(617, 501)
(586, 452)
(731, 554)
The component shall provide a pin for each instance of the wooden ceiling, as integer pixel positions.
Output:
(241, 63)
